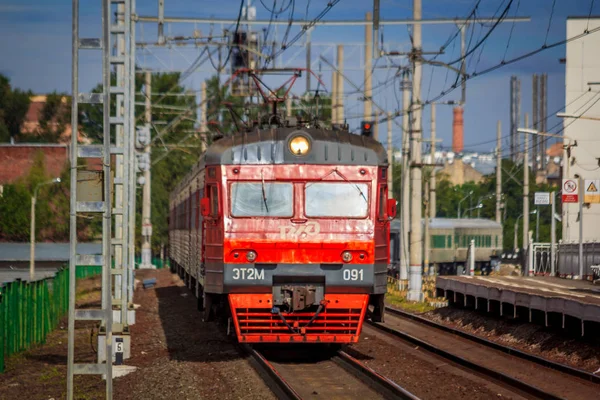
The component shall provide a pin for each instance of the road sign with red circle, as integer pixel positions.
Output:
(570, 191)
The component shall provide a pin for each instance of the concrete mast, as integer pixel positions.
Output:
(146, 192)
(415, 292)
(432, 179)
(498, 170)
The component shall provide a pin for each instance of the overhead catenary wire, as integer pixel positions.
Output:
(468, 77)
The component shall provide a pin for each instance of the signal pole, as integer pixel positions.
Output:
(498, 170)
(415, 292)
(146, 193)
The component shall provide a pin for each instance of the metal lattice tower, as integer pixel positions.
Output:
(117, 258)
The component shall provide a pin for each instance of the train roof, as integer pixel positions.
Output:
(452, 223)
(271, 147)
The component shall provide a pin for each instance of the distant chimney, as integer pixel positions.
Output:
(457, 130)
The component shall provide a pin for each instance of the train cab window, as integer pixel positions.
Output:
(329, 199)
(258, 199)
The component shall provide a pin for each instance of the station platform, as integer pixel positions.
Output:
(574, 298)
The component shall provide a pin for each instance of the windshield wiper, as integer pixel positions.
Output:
(264, 192)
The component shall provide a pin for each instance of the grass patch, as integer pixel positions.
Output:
(399, 301)
(50, 374)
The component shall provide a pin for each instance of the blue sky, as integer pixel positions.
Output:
(36, 48)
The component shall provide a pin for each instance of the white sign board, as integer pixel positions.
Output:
(570, 192)
(541, 198)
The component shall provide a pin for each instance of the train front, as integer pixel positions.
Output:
(305, 234)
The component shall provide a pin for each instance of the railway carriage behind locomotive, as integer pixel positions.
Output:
(286, 231)
(449, 243)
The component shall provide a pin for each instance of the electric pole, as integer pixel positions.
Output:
(203, 116)
(432, 182)
(288, 107)
(542, 117)
(525, 188)
(498, 170)
(416, 249)
(368, 107)
(426, 239)
(390, 155)
(308, 60)
(146, 193)
(340, 84)
(405, 203)
(534, 122)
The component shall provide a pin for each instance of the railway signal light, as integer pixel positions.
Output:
(366, 128)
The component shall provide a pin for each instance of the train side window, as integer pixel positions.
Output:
(214, 200)
(449, 242)
(438, 241)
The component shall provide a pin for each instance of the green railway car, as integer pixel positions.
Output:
(449, 243)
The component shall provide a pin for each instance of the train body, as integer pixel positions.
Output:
(286, 232)
(449, 244)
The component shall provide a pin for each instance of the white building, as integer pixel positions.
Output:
(582, 67)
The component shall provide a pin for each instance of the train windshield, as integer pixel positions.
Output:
(250, 199)
(328, 199)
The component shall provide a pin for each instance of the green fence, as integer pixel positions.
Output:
(31, 310)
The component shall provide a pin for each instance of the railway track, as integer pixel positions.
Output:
(509, 368)
(322, 376)
(575, 372)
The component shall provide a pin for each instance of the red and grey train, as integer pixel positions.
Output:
(286, 232)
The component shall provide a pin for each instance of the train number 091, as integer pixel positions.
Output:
(353, 274)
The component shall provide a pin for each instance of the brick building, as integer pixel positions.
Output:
(16, 160)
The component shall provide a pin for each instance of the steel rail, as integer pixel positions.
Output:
(272, 378)
(499, 377)
(283, 390)
(372, 378)
(578, 373)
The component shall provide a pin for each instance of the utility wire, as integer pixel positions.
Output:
(495, 67)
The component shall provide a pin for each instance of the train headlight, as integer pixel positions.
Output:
(299, 146)
(251, 256)
(347, 256)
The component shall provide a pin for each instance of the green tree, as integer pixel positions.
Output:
(52, 209)
(14, 104)
(183, 148)
(54, 119)
(14, 212)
